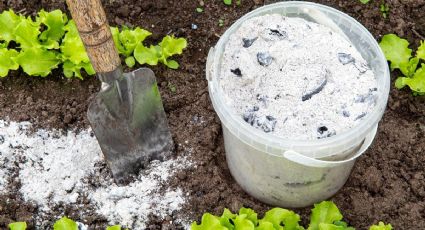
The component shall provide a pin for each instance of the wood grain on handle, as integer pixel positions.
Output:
(95, 33)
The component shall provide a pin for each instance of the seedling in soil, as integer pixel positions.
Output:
(397, 51)
(199, 10)
(221, 22)
(385, 10)
(364, 1)
(172, 87)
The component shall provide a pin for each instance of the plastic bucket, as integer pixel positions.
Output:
(294, 173)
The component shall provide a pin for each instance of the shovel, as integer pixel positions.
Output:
(127, 115)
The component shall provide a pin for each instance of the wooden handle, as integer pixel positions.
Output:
(95, 33)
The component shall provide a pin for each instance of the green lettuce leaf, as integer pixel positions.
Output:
(18, 226)
(250, 215)
(415, 83)
(265, 225)
(130, 61)
(55, 27)
(242, 223)
(131, 38)
(37, 61)
(26, 33)
(146, 55)
(65, 224)
(115, 227)
(74, 70)
(281, 217)
(171, 45)
(209, 222)
(420, 53)
(408, 69)
(381, 226)
(227, 219)
(396, 50)
(8, 22)
(7, 61)
(74, 55)
(325, 212)
(72, 47)
(116, 37)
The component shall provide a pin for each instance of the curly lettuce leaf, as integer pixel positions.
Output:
(281, 217)
(116, 37)
(265, 225)
(74, 70)
(74, 55)
(208, 222)
(420, 53)
(396, 51)
(415, 83)
(37, 61)
(131, 38)
(27, 32)
(381, 226)
(168, 47)
(6, 61)
(146, 55)
(55, 27)
(227, 219)
(18, 226)
(8, 22)
(325, 212)
(250, 214)
(72, 47)
(65, 224)
(172, 46)
(242, 223)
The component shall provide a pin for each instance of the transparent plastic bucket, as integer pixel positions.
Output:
(295, 173)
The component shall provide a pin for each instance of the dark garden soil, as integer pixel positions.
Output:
(387, 183)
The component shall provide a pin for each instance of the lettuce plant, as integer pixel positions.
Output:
(324, 216)
(51, 40)
(397, 51)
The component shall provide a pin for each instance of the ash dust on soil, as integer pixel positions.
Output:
(387, 183)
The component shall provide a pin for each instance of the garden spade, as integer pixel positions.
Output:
(127, 115)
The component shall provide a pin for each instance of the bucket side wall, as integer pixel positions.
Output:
(277, 181)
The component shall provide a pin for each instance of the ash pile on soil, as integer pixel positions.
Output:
(296, 79)
(57, 169)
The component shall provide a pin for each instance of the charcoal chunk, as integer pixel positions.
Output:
(370, 98)
(250, 117)
(324, 132)
(280, 33)
(237, 72)
(266, 123)
(264, 58)
(248, 42)
(345, 58)
(1, 139)
(311, 93)
(322, 129)
(360, 116)
(346, 113)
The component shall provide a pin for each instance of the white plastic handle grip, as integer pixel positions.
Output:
(312, 162)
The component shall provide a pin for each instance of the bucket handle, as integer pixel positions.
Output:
(312, 162)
